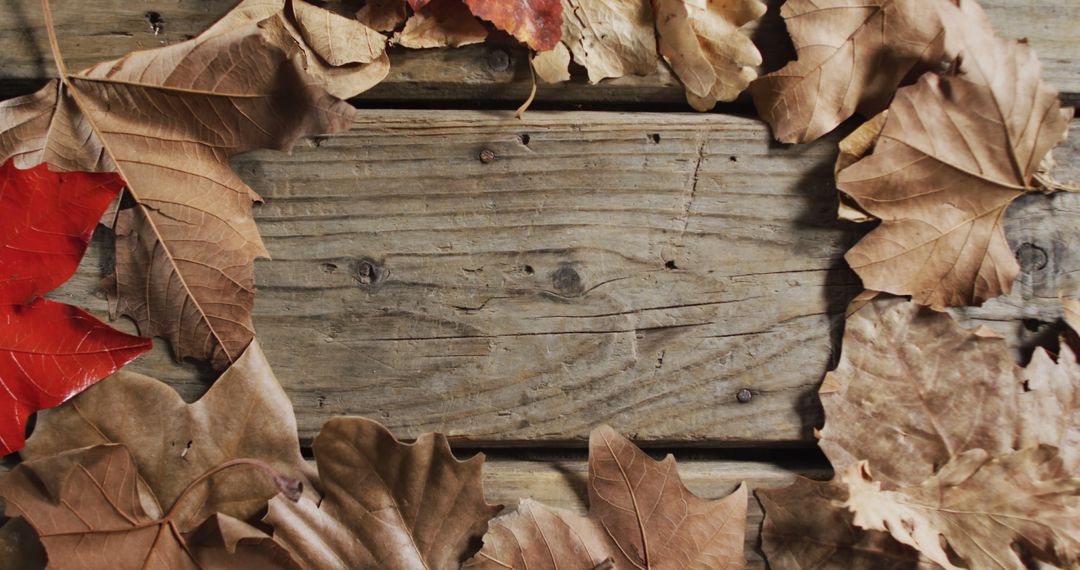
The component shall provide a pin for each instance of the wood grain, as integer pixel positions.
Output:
(634, 269)
(96, 30)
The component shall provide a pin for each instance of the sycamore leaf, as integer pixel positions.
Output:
(385, 504)
(85, 507)
(245, 414)
(807, 526)
(852, 55)
(48, 219)
(640, 516)
(442, 23)
(954, 151)
(185, 251)
(933, 390)
(382, 15)
(702, 43)
(611, 38)
(982, 508)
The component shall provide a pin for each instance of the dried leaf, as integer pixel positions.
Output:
(852, 55)
(386, 504)
(382, 15)
(552, 66)
(442, 23)
(20, 548)
(933, 390)
(337, 40)
(245, 414)
(955, 150)
(535, 23)
(981, 508)
(185, 251)
(610, 39)
(85, 507)
(640, 516)
(807, 526)
(702, 43)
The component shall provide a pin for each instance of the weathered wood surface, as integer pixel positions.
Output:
(634, 269)
(561, 482)
(95, 30)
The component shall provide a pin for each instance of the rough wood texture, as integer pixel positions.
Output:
(96, 30)
(635, 269)
(561, 482)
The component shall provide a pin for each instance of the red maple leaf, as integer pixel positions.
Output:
(536, 23)
(49, 351)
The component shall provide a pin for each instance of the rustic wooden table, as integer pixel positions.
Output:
(513, 283)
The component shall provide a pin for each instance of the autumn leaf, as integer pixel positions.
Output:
(20, 547)
(442, 23)
(807, 526)
(385, 503)
(640, 516)
(382, 15)
(244, 415)
(703, 45)
(343, 55)
(185, 250)
(979, 507)
(85, 507)
(609, 39)
(535, 23)
(954, 151)
(852, 56)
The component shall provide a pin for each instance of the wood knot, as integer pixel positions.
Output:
(567, 281)
(1031, 257)
(367, 272)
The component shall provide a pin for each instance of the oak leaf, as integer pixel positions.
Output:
(980, 507)
(244, 415)
(85, 507)
(442, 23)
(807, 526)
(385, 504)
(954, 151)
(640, 516)
(852, 56)
(702, 43)
(185, 251)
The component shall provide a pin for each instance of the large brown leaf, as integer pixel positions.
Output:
(245, 414)
(955, 150)
(983, 508)
(852, 55)
(168, 120)
(85, 506)
(807, 526)
(640, 516)
(702, 43)
(386, 504)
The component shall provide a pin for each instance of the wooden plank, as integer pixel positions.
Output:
(96, 30)
(635, 269)
(561, 482)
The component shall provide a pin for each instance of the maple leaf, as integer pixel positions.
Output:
(954, 151)
(807, 526)
(244, 415)
(85, 506)
(702, 44)
(49, 351)
(852, 56)
(535, 23)
(640, 516)
(981, 507)
(385, 503)
(185, 251)
(442, 23)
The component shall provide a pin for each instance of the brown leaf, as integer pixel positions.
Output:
(553, 66)
(442, 23)
(852, 55)
(535, 23)
(85, 506)
(386, 504)
(382, 15)
(336, 39)
(185, 251)
(981, 508)
(703, 45)
(955, 150)
(807, 526)
(913, 384)
(611, 38)
(640, 516)
(245, 414)
(20, 548)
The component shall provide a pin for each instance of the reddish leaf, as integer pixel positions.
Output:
(536, 23)
(48, 353)
(48, 218)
